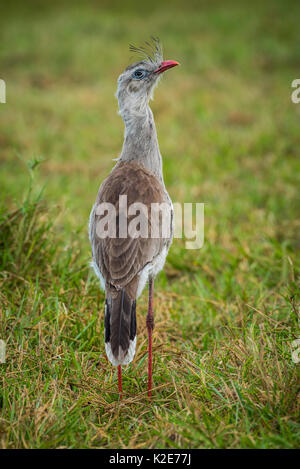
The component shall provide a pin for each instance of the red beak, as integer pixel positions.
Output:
(165, 65)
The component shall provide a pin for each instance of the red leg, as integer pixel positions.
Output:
(120, 380)
(150, 326)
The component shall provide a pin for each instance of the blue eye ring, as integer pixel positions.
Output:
(139, 74)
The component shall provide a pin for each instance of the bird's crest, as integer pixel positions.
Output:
(150, 50)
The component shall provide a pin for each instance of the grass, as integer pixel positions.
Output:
(227, 314)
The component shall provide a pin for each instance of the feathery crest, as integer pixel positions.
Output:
(151, 50)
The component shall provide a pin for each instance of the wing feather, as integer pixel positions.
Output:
(120, 260)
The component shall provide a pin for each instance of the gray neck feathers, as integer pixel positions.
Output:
(140, 139)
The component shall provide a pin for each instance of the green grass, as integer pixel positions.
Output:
(227, 314)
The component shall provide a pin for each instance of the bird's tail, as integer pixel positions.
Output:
(120, 328)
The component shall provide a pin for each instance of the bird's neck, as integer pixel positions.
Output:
(140, 140)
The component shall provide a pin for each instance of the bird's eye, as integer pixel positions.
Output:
(139, 74)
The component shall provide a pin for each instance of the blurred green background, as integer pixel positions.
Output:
(226, 314)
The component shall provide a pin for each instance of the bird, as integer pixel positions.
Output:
(125, 261)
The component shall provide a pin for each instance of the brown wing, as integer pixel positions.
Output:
(121, 259)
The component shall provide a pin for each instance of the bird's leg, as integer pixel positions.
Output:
(120, 380)
(150, 326)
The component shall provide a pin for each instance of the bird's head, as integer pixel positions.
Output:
(137, 82)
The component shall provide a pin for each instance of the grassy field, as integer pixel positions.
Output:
(227, 314)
